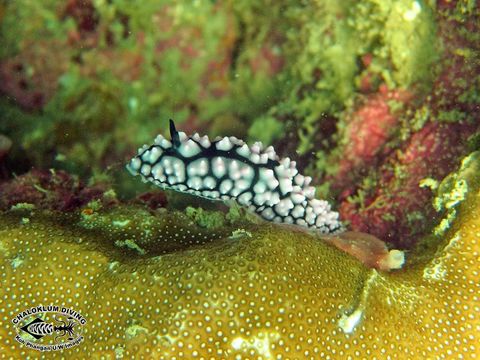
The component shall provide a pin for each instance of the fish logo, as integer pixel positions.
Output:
(39, 328)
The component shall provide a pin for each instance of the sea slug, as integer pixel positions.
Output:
(228, 169)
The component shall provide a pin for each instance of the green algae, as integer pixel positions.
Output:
(408, 37)
(206, 219)
(240, 233)
(399, 35)
(160, 231)
(23, 207)
(324, 66)
(321, 49)
(454, 190)
(266, 129)
(429, 183)
(130, 244)
(216, 220)
(177, 70)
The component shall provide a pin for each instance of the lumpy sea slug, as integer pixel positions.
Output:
(227, 168)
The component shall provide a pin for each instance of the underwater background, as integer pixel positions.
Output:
(377, 100)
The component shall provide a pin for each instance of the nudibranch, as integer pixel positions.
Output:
(228, 169)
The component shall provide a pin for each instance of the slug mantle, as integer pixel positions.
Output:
(228, 169)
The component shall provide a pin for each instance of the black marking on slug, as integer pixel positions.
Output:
(174, 134)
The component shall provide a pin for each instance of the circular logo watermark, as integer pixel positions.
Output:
(49, 328)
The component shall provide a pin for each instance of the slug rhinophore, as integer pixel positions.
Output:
(227, 168)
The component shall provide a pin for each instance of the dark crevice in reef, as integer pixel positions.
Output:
(130, 234)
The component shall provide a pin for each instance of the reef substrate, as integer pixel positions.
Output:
(161, 284)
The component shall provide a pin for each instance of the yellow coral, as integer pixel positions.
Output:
(274, 294)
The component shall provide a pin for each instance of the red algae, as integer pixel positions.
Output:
(152, 199)
(395, 209)
(49, 189)
(384, 162)
(367, 134)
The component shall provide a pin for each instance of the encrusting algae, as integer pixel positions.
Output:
(265, 292)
